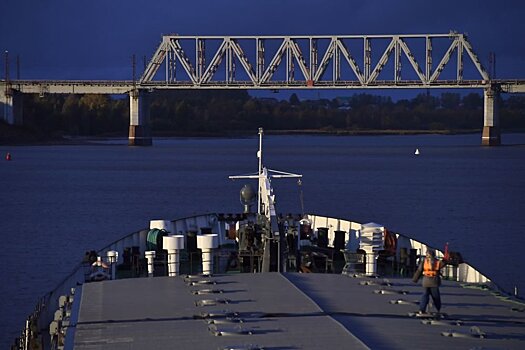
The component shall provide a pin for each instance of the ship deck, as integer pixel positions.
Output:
(288, 311)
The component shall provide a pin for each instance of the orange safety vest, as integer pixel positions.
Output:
(429, 270)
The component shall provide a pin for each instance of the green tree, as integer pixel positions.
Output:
(450, 100)
(473, 101)
(294, 100)
(71, 113)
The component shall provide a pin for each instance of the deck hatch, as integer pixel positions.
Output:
(202, 282)
(226, 320)
(391, 291)
(211, 302)
(207, 291)
(222, 330)
(404, 302)
(217, 314)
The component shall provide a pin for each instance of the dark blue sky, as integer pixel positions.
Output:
(65, 39)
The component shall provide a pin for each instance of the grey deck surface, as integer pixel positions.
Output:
(291, 311)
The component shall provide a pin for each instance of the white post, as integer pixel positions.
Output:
(150, 256)
(112, 256)
(173, 244)
(207, 243)
(371, 264)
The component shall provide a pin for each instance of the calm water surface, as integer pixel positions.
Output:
(56, 202)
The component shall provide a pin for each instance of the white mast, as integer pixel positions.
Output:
(259, 155)
(266, 205)
(265, 192)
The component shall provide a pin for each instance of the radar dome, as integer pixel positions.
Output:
(247, 194)
(247, 197)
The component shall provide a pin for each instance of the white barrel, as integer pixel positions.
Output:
(150, 255)
(162, 225)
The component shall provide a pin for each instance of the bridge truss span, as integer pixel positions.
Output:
(346, 61)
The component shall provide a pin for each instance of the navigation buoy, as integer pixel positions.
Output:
(8, 156)
(416, 152)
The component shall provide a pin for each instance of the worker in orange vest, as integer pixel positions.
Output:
(430, 269)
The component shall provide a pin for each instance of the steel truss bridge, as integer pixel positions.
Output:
(422, 61)
(332, 62)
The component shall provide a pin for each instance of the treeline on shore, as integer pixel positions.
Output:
(219, 112)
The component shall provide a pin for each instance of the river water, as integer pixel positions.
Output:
(56, 202)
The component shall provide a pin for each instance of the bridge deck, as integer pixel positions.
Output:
(126, 86)
(291, 311)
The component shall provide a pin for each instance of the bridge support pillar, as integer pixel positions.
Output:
(139, 129)
(11, 102)
(491, 135)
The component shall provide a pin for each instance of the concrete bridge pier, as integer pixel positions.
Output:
(11, 106)
(491, 132)
(139, 128)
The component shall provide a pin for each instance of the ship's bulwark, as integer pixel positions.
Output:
(287, 311)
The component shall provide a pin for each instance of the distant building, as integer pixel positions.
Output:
(343, 102)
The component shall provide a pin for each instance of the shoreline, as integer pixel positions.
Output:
(19, 136)
(29, 138)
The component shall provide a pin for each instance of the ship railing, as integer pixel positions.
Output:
(394, 263)
(35, 334)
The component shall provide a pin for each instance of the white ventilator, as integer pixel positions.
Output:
(372, 241)
(162, 225)
(173, 244)
(112, 259)
(207, 243)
